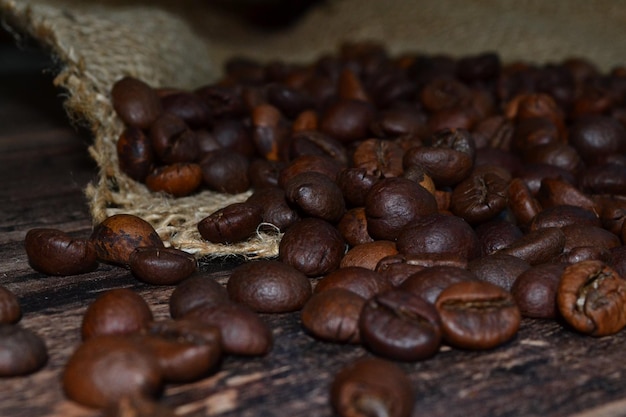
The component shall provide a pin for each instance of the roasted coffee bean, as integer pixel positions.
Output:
(307, 163)
(538, 246)
(161, 266)
(233, 223)
(10, 310)
(392, 203)
(312, 142)
(234, 135)
(400, 325)
(290, 101)
(577, 235)
(225, 171)
(135, 102)
(264, 174)
(604, 179)
(354, 184)
(135, 154)
(350, 86)
(522, 203)
(194, 291)
(186, 351)
(316, 195)
(532, 132)
(353, 227)
(534, 174)
(224, 101)
(535, 290)
(179, 179)
(497, 234)
(269, 131)
(397, 268)
(116, 312)
(359, 280)
(243, 331)
(591, 298)
(312, 246)
(499, 269)
(189, 107)
(268, 286)
(595, 136)
(172, 140)
(391, 123)
(275, 208)
(429, 282)
(380, 158)
(444, 93)
(477, 315)
(54, 252)
(558, 154)
(372, 387)
(439, 234)
(117, 236)
(557, 192)
(22, 352)
(333, 315)
(367, 255)
(585, 253)
(479, 198)
(560, 216)
(107, 368)
(448, 159)
(347, 120)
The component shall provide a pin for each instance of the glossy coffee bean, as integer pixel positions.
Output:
(397, 268)
(591, 298)
(117, 236)
(497, 234)
(333, 315)
(233, 223)
(22, 352)
(353, 227)
(54, 252)
(10, 310)
(557, 192)
(197, 290)
(499, 269)
(186, 351)
(392, 203)
(596, 136)
(538, 246)
(104, 369)
(135, 154)
(372, 387)
(189, 107)
(161, 266)
(477, 315)
(400, 325)
(225, 171)
(263, 173)
(577, 235)
(116, 312)
(479, 197)
(243, 331)
(522, 204)
(359, 280)
(585, 253)
(604, 179)
(275, 208)
(135, 102)
(178, 179)
(347, 120)
(367, 255)
(354, 184)
(563, 215)
(380, 158)
(172, 139)
(315, 195)
(429, 282)
(312, 246)
(268, 286)
(535, 290)
(309, 163)
(314, 142)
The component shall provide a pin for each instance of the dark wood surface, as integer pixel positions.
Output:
(547, 370)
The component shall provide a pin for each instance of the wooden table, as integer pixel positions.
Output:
(546, 370)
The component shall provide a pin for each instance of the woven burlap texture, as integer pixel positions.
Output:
(185, 43)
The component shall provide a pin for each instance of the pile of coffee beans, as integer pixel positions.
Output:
(424, 200)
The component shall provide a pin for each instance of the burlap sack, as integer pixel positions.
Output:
(184, 44)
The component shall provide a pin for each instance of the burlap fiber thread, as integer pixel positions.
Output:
(185, 43)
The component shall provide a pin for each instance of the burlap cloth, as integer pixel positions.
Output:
(184, 43)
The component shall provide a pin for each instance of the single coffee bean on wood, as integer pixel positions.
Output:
(10, 310)
(233, 223)
(161, 266)
(54, 252)
(22, 352)
(199, 289)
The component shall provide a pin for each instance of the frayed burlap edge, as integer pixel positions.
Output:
(88, 81)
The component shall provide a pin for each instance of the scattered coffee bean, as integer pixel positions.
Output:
(54, 252)
(10, 310)
(161, 266)
(22, 352)
(333, 315)
(197, 290)
(234, 223)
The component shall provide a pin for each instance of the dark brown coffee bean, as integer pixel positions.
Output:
(135, 102)
(439, 234)
(354, 184)
(560, 216)
(367, 255)
(316, 195)
(22, 352)
(448, 159)
(359, 280)
(397, 268)
(268, 286)
(234, 135)
(290, 101)
(117, 236)
(347, 120)
(233, 223)
(107, 368)
(225, 171)
(591, 298)
(353, 227)
(189, 107)
(534, 174)
(400, 325)
(380, 158)
(392, 203)
(333, 315)
(264, 174)
(557, 192)
(499, 269)
(604, 179)
(577, 235)
(479, 198)
(10, 310)
(135, 154)
(497, 234)
(162, 266)
(372, 387)
(538, 246)
(429, 282)
(116, 312)
(477, 315)
(313, 142)
(275, 209)
(172, 140)
(557, 153)
(312, 246)
(535, 290)
(522, 203)
(394, 122)
(585, 253)
(243, 331)
(534, 131)
(194, 291)
(310, 163)
(269, 131)
(186, 351)
(179, 179)
(444, 93)
(224, 101)
(596, 136)
(54, 252)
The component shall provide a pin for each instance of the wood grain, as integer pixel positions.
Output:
(547, 370)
